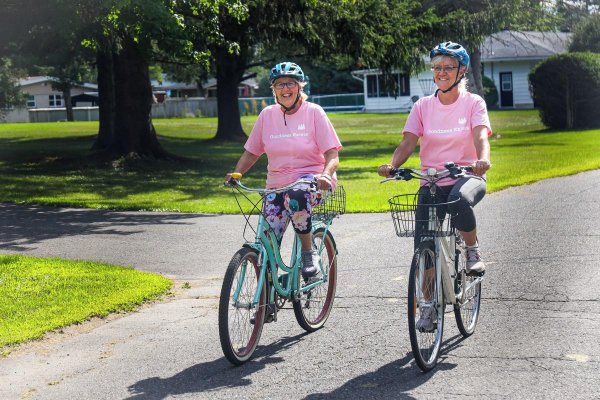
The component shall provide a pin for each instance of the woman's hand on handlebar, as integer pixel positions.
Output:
(323, 182)
(385, 170)
(481, 166)
(231, 177)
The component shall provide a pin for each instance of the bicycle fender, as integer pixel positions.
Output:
(330, 236)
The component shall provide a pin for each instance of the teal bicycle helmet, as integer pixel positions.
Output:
(289, 69)
(451, 49)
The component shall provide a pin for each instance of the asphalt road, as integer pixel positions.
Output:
(537, 336)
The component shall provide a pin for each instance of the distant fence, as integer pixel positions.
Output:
(189, 108)
(329, 102)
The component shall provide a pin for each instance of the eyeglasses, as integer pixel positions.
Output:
(289, 85)
(445, 69)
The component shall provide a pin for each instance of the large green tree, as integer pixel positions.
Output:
(384, 34)
(125, 36)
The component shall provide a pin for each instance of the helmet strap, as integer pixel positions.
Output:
(288, 109)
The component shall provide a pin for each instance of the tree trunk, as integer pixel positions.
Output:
(230, 69)
(106, 100)
(68, 106)
(477, 79)
(569, 106)
(134, 135)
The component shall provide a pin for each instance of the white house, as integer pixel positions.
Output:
(507, 57)
(40, 93)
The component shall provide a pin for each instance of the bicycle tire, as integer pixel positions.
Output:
(238, 336)
(313, 308)
(466, 312)
(425, 344)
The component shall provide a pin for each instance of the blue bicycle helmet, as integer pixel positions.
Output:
(288, 69)
(453, 50)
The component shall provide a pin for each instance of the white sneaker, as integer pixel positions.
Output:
(474, 261)
(428, 320)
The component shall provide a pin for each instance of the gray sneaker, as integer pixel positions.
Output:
(310, 264)
(428, 320)
(474, 262)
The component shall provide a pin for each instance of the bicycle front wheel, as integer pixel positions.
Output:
(313, 307)
(468, 293)
(240, 324)
(425, 307)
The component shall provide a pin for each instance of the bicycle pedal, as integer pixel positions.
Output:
(312, 279)
(475, 273)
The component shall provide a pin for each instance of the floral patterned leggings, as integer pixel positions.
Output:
(294, 204)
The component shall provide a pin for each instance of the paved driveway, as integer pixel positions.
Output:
(537, 337)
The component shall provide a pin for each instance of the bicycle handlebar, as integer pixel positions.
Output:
(235, 182)
(452, 170)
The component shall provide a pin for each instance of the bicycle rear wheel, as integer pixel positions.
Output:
(466, 310)
(239, 337)
(423, 292)
(313, 307)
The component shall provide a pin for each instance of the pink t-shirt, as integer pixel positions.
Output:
(446, 131)
(294, 149)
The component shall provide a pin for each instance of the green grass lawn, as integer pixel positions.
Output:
(42, 163)
(39, 295)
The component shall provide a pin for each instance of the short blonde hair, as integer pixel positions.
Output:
(462, 85)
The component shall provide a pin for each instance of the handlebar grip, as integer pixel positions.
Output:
(236, 175)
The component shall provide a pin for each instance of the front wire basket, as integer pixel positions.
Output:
(333, 206)
(404, 208)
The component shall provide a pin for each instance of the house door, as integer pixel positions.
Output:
(506, 89)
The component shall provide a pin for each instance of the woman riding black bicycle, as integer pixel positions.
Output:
(452, 125)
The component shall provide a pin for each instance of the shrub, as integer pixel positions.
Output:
(566, 90)
(490, 93)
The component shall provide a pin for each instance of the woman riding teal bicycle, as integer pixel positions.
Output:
(301, 144)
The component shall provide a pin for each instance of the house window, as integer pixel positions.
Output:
(372, 86)
(378, 87)
(30, 101)
(55, 100)
(404, 84)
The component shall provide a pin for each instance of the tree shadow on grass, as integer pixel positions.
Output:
(24, 226)
(213, 375)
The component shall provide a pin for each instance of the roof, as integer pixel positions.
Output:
(172, 85)
(33, 80)
(511, 45)
(211, 83)
(208, 84)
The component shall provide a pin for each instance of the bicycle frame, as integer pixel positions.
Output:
(267, 245)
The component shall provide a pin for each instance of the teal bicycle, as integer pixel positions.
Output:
(258, 283)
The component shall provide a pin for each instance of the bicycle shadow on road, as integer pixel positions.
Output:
(392, 381)
(28, 225)
(212, 376)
